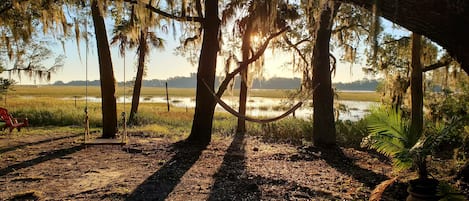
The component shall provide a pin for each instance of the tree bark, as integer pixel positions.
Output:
(143, 47)
(416, 87)
(324, 133)
(106, 72)
(243, 91)
(201, 132)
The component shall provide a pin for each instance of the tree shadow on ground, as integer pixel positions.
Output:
(49, 156)
(159, 185)
(336, 158)
(20, 146)
(233, 182)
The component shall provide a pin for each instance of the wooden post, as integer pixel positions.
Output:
(167, 96)
(75, 101)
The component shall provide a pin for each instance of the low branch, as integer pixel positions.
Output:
(247, 118)
(434, 66)
(397, 40)
(165, 14)
(243, 64)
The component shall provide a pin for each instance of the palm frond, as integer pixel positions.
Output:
(389, 135)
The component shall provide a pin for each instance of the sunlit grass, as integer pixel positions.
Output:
(148, 92)
(51, 110)
(360, 96)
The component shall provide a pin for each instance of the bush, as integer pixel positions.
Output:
(351, 133)
(289, 130)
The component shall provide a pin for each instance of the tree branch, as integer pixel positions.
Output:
(294, 46)
(243, 64)
(165, 14)
(334, 63)
(404, 38)
(341, 28)
(434, 66)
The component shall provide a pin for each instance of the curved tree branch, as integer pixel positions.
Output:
(247, 118)
(295, 47)
(256, 56)
(334, 63)
(434, 66)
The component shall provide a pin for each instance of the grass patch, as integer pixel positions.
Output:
(95, 91)
(360, 96)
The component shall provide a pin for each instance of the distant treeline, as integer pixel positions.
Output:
(272, 83)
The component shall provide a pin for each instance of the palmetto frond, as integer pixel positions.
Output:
(389, 135)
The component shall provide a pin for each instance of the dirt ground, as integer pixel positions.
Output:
(59, 167)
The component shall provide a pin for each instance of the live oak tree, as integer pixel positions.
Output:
(258, 19)
(324, 133)
(134, 31)
(440, 21)
(106, 72)
(18, 31)
(22, 22)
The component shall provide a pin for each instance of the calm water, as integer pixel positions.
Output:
(258, 106)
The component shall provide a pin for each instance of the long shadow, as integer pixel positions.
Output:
(231, 180)
(336, 158)
(20, 146)
(162, 182)
(49, 156)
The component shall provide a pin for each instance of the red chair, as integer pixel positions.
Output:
(10, 122)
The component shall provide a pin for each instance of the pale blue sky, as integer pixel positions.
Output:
(164, 64)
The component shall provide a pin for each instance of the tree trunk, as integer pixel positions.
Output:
(243, 91)
(138, 79)
(106, 73)
(324, 133)
(416, 88)
(201, 132)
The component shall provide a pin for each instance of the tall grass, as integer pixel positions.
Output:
(153, 119)
(95, 91)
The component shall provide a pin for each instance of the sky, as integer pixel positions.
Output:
(164, 64)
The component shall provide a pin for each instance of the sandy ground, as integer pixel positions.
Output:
(59, 167)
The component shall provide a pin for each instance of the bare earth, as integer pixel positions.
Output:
(153, 168)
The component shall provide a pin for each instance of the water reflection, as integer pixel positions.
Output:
(259, 106)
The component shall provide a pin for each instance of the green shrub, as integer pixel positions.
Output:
(289, 130)
(351, 133)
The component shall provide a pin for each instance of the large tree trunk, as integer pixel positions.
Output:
(324, 133)
(138, 79)
(416, 88)
(243, 91)
(201, 132)
(440, 21)
(106, 72)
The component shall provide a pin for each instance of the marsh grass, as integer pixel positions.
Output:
(94, 91)
(49, 110)
(359, 96)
